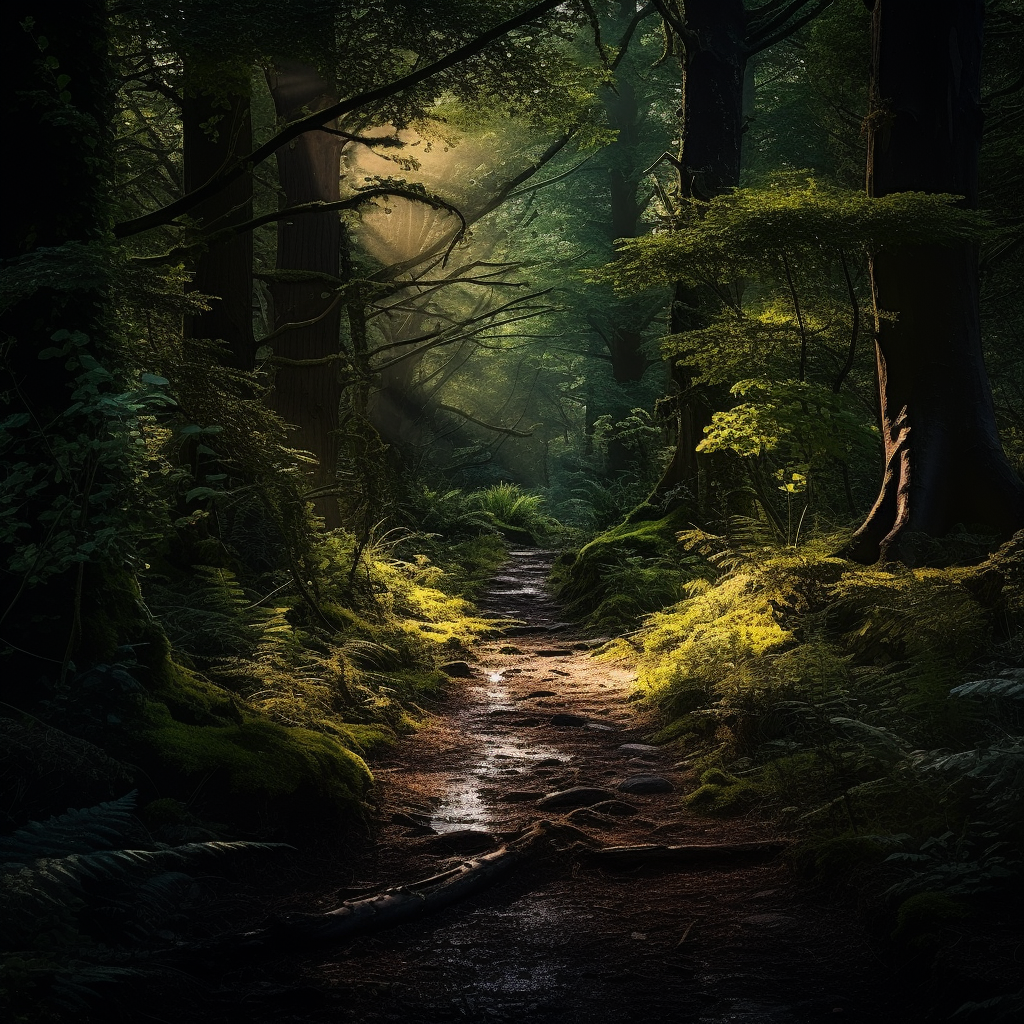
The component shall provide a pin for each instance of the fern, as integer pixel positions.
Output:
(1003, 688)
(74, 898)
(75, 832)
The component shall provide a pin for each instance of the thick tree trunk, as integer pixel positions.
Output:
(713, 65)
(59, 188)
(621, 326)
(944, 464)
(309, 168)
(217, 130)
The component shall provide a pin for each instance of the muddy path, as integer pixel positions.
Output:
(555, 940)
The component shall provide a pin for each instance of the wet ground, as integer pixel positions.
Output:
(535, 713)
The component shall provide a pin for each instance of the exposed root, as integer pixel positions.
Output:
(665, 856)
(403, 903)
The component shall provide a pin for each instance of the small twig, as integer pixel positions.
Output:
(686, 933)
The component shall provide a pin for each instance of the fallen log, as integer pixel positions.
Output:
(717, 853)
(395, 905)
(403, 903)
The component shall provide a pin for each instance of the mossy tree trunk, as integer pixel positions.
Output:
(944, 464)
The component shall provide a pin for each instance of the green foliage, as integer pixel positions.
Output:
(835, 694)
(69, 484)
(79, 894)
(448, 513)
(810, 421)
(508, 504)
(746, 233)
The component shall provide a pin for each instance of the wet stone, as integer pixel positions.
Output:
(520, 796)
(601, 726)
(464, 840)
(549, 762)
(458, 670)
(645, 784)
(578, 796)
(618, 808)
(554, 652)
(541, 693)
(568, 721)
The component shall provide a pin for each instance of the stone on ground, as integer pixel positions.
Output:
(645, 784)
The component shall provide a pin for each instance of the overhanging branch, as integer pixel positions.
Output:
(487, 426)
(311, 122)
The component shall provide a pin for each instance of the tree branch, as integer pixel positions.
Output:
(245, 164)
(487, 426)
(764, 43)
(855, 305)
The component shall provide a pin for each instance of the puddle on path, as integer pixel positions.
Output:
(466, 805)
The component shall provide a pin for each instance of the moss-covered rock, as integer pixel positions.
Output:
(258, 758)
(627, 571)
(724, 794)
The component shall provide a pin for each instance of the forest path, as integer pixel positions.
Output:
(553, 941)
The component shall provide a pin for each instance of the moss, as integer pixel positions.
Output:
(193, 699)
(721, 793)
(259, 756)
(921, 919)
(630, 569)
(115, 617)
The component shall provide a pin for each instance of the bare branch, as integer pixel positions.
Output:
(487, 426)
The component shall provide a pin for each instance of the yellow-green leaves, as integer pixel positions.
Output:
(746, 233)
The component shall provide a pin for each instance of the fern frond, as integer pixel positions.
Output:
(75, 832)
(1012, 688)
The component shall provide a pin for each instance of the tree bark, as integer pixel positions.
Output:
(59, 188)
(216, 132)
(713, 66)
(622, 337)
(944, 464)
(309, 168)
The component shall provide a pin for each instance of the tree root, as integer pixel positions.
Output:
(642, 856)
(403, 903)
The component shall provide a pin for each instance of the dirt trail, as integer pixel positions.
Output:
(556, 941)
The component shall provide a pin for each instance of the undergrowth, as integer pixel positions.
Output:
(284, 689)
(81, 895)
(877, 711)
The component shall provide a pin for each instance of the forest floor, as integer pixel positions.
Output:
(556, 939)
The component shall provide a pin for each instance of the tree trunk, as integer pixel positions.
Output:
(60, 189)
(713, 66)
(309, 168)
(622, 321)
(216, 131)
(944, 464)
